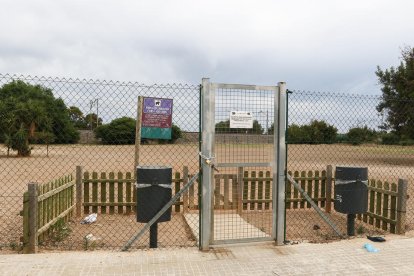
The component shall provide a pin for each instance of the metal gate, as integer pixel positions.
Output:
(243, 161)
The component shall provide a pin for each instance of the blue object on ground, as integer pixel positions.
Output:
(370, 248)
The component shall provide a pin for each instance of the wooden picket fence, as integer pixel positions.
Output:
(386, 206)
(110, 193)
(244, 191)
(43, 206)
(247, 191)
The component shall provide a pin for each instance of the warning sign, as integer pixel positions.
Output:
(156, 118)
(241, 119)
(157, 113)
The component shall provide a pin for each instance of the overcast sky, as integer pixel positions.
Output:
(331, 46)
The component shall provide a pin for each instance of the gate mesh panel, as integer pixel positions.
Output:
(248, 185)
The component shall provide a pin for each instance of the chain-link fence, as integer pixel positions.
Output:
(75, 139)
(330, 130)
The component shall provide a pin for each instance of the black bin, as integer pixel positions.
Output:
(154, 191)
(351, 190)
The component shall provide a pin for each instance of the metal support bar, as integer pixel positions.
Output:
(207, 149)
(318, 210)
(279, 173)
(160, 213)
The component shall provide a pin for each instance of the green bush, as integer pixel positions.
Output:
(317, 132)
(297, 135)
(407, 142)
(341, 138)
(390, 139)
(121, 131)
(359, 135)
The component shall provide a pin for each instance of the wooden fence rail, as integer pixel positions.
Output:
(43, 206)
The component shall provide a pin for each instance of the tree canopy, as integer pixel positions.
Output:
(81, 121)
(27, 110)
(317, 132)
(397, 102)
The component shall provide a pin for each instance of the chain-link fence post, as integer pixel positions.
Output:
(207, 149)
(280, 168)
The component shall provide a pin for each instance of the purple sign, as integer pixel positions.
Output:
(157, 112)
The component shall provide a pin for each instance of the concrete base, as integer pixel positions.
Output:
(227, 227)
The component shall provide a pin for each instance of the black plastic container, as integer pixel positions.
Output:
(154, 190)
(351, 190)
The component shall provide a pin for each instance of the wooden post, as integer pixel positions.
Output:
(138, 132)
(185, 196)
(239, 190)
(401, 205)
(79, 190)
(25, 214)
(328, 188)
(32, 246)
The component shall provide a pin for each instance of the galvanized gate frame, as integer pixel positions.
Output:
(207, 151)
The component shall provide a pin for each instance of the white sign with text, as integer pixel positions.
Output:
(241, 119)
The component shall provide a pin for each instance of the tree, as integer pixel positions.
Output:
(271, 129)
(176, 133)
(44, 137)
(76, 117)
(224, 127)
(397, 102)
(92, 121)
(26, 109)
(320, 132)
(20, 142)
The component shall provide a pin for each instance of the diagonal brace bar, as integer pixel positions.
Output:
(316, 207)
(160, 213)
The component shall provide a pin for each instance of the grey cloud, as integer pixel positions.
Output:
(318, 45)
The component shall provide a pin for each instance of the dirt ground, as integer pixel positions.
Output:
(307, 226)
(384, 163)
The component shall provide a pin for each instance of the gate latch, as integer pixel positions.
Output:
(209, 161)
